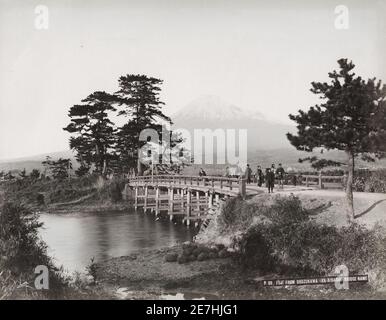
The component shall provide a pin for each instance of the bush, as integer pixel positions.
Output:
(376, 182)
(239, 214)
(21, 250)
(291, 241)
(115, 190)
(370, 181)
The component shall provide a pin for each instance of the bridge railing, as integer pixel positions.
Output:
(323, 181)
(214, 182)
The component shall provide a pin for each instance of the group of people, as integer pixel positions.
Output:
(271, 174)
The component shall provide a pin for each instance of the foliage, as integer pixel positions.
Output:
(374, 181)
(21, 250)
(32, 192)
(101, 145)
(35, 174)
(91, 270)
(82, 171)
(239, 214)
(115, 189)
(59, 169)
(93, 131)
(139, 97)
(352, 118)
(319, 164)
(290, 241)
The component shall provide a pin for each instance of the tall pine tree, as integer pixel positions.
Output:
(138, 95)
(351, 118)
(93, 132)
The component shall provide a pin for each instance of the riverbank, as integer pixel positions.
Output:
(272, 237)
(74, 195)
(96, 207)
(146, 275)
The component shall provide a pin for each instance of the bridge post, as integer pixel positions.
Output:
(210, 201)
(145, 199)
(188, 206)
(320, 180)
(198, 202)
(217, 199)
(171, 205)
(242, 187)
(136, 198)
(156, 200)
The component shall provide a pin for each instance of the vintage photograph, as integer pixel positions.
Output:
(192, 150)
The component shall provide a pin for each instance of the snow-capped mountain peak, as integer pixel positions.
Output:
(214, 108)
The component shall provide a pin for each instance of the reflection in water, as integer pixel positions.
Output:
(74, 239)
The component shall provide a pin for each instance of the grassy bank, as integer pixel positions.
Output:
(86, 194)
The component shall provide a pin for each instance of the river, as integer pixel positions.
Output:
(73, 239)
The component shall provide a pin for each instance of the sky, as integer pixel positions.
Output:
(259, 55)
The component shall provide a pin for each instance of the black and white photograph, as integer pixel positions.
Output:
(213, 151)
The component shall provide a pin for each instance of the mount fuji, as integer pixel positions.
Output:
(211, 112)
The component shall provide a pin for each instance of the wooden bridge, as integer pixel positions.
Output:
(195, 198)
(192, 198)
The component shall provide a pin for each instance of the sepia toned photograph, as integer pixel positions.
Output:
(210, 150)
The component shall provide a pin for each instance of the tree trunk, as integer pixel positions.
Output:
(349, 187)
(139, 166)
(104, 168)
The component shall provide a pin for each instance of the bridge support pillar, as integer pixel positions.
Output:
(210, 200)
(188, 206)
(136, 199)
(198, 202)
(156, 200)
(145, 198)
(217, 199)
(171, 205)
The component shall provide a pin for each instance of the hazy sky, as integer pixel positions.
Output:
(254, 54)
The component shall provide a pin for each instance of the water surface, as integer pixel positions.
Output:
(74, 239)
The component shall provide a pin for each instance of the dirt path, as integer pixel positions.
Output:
(370, 208)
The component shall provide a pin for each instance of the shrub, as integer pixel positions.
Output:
(21, 250)
(376, 182)
(370, 181)
(92, 270)
(291, 241)
(239, 214)
(115, 190)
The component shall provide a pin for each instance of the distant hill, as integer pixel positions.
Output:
(33, 162)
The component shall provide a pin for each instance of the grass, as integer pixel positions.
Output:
(278, 234)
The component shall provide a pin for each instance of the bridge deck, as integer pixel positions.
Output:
(193, 196)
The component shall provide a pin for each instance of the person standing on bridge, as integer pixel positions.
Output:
(202, 173)
(280, 175)
(270, 179)
(248, 174)
(259, 176)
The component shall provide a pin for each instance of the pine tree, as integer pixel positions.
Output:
(35, 174)
(351, 118)
(94, 132)
(138, 95)
(59, 169)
